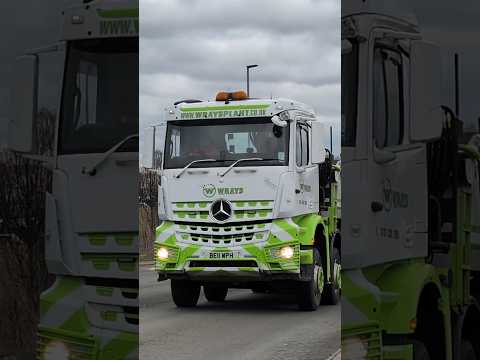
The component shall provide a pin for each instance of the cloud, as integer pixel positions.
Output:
(193, 49)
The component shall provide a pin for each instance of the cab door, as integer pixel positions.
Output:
(396, 171)
(306, 193)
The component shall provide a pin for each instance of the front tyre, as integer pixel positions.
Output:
(185, 293)
(331, 293)
(215, 293)
(309, 293)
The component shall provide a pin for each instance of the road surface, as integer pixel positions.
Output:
(246, 327)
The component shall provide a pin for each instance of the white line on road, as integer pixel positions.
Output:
(337, 355)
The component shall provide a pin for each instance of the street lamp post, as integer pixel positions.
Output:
(248, 77)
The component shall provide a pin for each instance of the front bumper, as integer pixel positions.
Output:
(191, 262)
(234, 275)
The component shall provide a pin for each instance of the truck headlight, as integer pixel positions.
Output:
(287, 252)
(354, 348)
(56, 349)
(162, 253)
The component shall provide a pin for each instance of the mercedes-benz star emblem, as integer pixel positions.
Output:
(221, 210)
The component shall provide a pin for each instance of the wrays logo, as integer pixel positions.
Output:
(393, 199)
(210, 190)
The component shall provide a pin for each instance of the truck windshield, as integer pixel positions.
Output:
(226, 141)
(100, 96)
(349, 92)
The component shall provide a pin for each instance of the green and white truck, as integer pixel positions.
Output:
(247, 199)
(411, 223)
(91, 244)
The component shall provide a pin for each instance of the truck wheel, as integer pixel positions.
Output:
(331, 293)
(185, 293)
(215, 293)
(420, 352)
(309, 293)
(468, 353)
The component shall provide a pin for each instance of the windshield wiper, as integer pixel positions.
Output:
(236, 162)
(93, 170)
(190, 164)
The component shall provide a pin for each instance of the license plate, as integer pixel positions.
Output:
(224, 255)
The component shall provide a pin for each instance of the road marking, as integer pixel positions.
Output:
(337, 355)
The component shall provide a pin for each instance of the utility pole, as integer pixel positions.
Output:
(248, 77)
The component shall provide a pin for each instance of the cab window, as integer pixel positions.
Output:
(388, 110)
(302, 155)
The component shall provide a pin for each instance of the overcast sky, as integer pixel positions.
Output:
(194, 48)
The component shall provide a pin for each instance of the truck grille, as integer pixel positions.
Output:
(207, 234)
(253, 210)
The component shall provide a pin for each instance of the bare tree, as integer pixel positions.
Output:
(23, 185)
(148, 219)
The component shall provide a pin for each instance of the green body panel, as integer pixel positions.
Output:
(391, 293)
(64, 320)
(401, 286)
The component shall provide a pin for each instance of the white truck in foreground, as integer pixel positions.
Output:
(247, 199)
(91, 244)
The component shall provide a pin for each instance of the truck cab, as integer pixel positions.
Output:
(247, 199)
(91, 219)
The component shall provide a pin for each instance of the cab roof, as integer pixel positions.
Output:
(90, 19)
(234, 109)
(394, 9)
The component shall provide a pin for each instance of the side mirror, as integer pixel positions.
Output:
(21, 125)
(152, 142)
(318, 147)
(426, 118)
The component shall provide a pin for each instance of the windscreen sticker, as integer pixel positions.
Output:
(222, 112)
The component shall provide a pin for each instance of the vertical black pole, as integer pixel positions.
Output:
(457, 87)
(153, 149)
(248, 81)
(331, 139)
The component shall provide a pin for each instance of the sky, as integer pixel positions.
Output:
(455, 28)
(21, 30)
(192, 49)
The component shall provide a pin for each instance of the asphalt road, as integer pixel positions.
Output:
(246, 327)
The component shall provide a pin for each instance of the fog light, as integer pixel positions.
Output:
(162, 253)
(287, 252)
(56, 350)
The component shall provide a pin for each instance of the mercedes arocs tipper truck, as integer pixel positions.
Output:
(91, 244)
(410, 216)
(247, 199)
